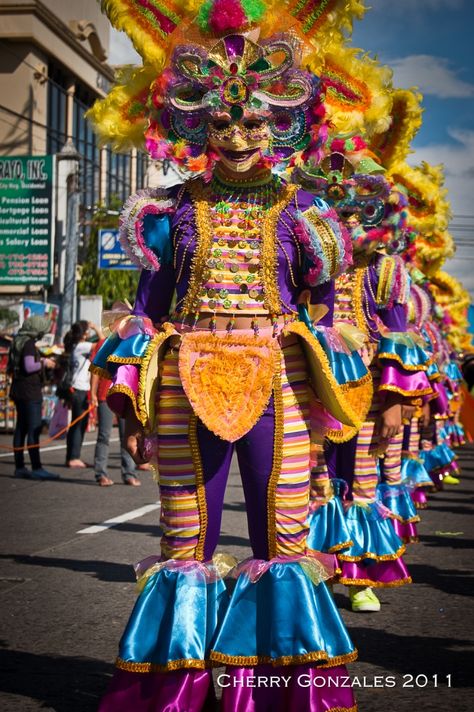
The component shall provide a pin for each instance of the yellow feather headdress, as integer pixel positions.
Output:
(393, 146)
(357, 90)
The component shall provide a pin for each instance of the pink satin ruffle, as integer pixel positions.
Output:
(379, 573)
(407, 531)
(294, 688)
(173, 691)
(393, 377)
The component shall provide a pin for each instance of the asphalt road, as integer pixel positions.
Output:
(66, 595)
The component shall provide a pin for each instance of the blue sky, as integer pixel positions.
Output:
(429, 45)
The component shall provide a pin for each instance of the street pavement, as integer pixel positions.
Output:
(66, 595)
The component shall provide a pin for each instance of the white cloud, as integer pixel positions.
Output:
(432, 75)
(458, 160)
(121, 50)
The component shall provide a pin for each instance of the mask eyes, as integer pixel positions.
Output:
(220, 124)
(252, 124)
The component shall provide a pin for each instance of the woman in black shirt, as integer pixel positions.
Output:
(26, 368)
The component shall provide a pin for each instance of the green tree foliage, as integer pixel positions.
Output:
(113, 285)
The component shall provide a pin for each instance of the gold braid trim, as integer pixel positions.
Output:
(101, 372)
(200, 490)
(127, 391)
(374, 584)
(252, 660)
(269, 254)
(406, 366)
(172, 665)
(408, 394)
(358, 310)
(375, 557)
(156, 341)
(385, 282)
(277, 460)
(125, 359)
(339, 547)
(204, 243)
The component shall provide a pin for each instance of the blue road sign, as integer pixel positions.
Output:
(111, 254)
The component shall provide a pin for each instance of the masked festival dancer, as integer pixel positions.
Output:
(218, 356)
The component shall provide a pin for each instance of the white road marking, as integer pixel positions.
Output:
(134, 514)
(62, 447)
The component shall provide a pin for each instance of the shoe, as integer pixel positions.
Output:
(132, 481)
(450, 480)
(104, 481)
(42, 474)
(76, 463)
(23, 472)
(363, 600)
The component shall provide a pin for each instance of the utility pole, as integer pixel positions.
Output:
(68, 302)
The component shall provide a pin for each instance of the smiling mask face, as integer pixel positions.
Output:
(239, 144)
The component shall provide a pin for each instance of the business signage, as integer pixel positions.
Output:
(111, 254)
(26, 219)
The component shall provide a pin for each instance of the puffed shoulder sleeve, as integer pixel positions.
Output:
(145, 228)
(326, 242)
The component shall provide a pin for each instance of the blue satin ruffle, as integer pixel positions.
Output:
(157, 235)
(411, 356)
(328, 531)
(175, 617)
(398, 500)
(414, 473)
(452, 371)
(371, 534)
(439, 456)
(107, 348)
(433, 371)
(347, 368)
(132, 348)
(282, 614)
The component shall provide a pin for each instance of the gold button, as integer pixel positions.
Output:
(234, 268)
(253, 293)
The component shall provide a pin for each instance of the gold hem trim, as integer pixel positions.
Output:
(125, 359)
(411, 539)
(374, 584)
(171, 665)
(402, 392)
(101, 372)
(278, 436)
(375, 557)
(127, 391)
(252, 660)
(200, 489)
(338, 547)
(407, 367)
(421, 505)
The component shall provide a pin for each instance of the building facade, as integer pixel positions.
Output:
(53, 66)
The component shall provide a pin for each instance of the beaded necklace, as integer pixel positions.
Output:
(233, 270)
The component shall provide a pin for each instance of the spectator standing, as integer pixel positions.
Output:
(99, 388)
(78, 348)
(26, 367)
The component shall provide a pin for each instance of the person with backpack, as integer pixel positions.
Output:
(78, 348)
(26, 367)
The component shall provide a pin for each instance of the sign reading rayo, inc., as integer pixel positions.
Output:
(111, 254)
(26, 207)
